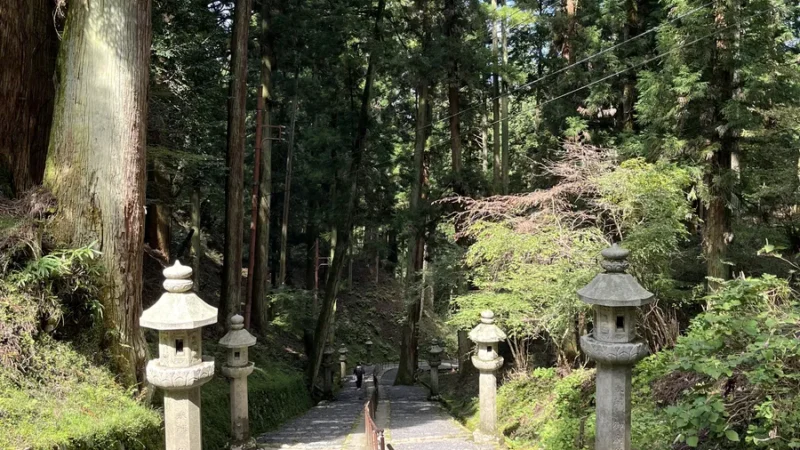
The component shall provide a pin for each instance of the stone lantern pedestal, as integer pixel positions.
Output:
(342, 363)
(435, 360)
(487, 335)
(180, 368)
(327, 372)
(613, 344)
(237, 368)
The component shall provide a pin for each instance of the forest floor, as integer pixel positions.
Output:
(409, 419)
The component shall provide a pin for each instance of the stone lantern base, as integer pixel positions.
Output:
(251, 444)
(482, 438)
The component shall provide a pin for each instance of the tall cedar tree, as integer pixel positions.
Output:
(717, 97)
(29, 45)
(96, 160)
(230, 298)
(344, 227)
(261, 277)
(416, 237)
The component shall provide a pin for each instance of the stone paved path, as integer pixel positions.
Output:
(414, 423)
(410, 421)
(327, 426)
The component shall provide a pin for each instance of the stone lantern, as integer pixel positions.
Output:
(342, 363)
(237, 368)
(369, 351)
(613, 344)
(486, 336)
(434, 360)
(180, 368)
(327, 372)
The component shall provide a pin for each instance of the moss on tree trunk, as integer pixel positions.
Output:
(96, 161)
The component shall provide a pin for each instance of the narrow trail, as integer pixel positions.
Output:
(410, 421)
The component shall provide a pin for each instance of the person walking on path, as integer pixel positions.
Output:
(359, 373)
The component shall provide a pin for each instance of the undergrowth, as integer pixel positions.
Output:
(54, 390)
(732, 382)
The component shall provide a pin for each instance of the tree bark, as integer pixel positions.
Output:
(410, 336)
(96, 159)
(717, 233)
(230, 298)
(157, 233)
(28, 45)
(287, 188)
(325, 319)
(504, 111)
(451, 30)
(197, 247)
(496, 163)
(261, 275)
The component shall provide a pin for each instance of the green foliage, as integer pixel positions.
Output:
(650, 208)
(745, 359)
(529, 280)
(51, 394)
(64, 401)
(60, 288)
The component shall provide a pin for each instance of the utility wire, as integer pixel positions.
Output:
(563, 69)
(586, 86)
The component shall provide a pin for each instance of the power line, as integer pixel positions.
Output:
(586, 86)
(563, 69)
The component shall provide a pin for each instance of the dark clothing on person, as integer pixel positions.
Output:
(359, 373)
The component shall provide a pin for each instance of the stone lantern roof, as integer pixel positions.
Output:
(237, 336)
(179, 308)
(435, 348)
(614, 287)
(487, 332)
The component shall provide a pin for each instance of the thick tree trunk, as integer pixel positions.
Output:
(230, 298)
(197, 247)
(496, 163)
(28, 45)
(410, 337)
(96, 159)
(287, 189)
(261, 275)
(157, 233)
(717, 233)
(327, 310)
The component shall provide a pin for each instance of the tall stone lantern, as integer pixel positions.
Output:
(180, 368)
(327, 372)
(342, 363)
(237, 368)
(613, 344)
(487, 335)
(369, 351)
(435, 360)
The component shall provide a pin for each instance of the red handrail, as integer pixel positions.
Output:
(374, 435)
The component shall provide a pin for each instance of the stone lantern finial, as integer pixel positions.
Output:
(181, 367)
(237, 368)
(487, 336)
(613, 344)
